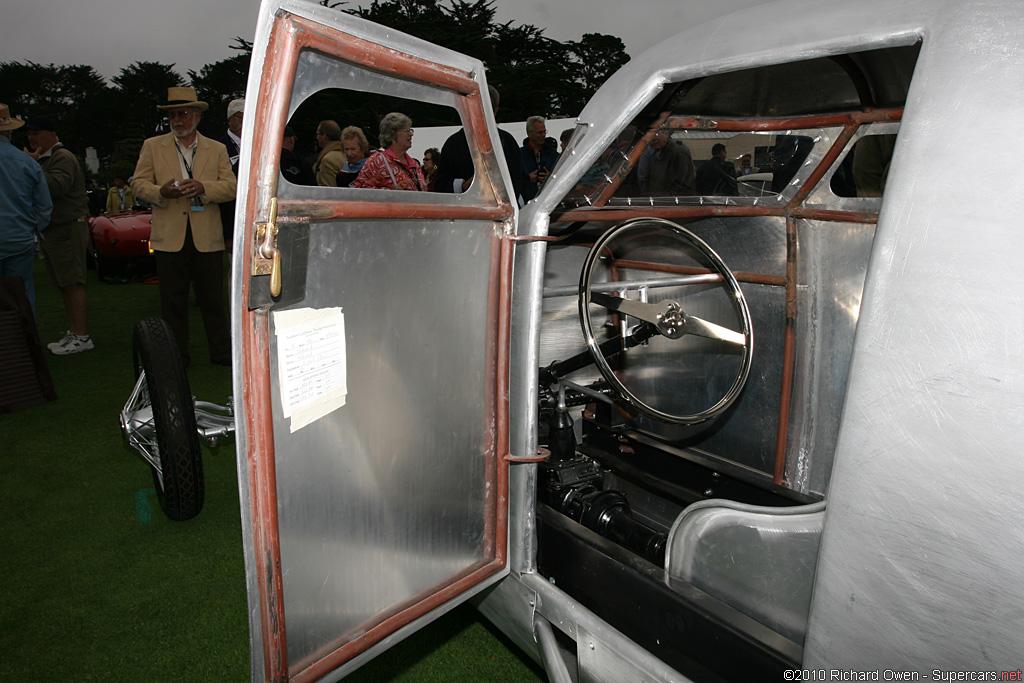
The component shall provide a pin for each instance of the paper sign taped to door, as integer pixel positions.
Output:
(311, 363)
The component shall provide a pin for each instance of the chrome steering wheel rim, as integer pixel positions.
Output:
(738, 300)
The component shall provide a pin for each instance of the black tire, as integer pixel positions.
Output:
(102, 267)
(182, 491)
(90, 255)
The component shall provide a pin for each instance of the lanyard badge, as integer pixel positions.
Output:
(195, 203)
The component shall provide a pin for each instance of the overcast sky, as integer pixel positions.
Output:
(111, 34)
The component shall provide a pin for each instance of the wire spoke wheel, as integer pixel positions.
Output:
(160, 421)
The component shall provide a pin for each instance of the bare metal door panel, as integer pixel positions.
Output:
(389, 503)
(390, 495)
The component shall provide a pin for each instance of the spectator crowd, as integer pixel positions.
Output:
(189, 181)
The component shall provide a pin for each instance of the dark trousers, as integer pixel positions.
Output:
(205, 270)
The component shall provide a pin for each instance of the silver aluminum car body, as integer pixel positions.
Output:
(918, 568)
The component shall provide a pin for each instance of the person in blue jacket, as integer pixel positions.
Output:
(539, 153)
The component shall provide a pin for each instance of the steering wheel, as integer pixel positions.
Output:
(667, 318)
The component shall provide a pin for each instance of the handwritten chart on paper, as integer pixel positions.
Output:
(311, 363)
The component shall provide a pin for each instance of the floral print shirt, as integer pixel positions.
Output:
(385, 171)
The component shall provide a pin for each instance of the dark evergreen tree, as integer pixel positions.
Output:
(219, 83)
(591, 61)
(533, 73)
(74, 96)
(140, 87)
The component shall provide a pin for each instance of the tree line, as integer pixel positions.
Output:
(534, 74)
(115, 118)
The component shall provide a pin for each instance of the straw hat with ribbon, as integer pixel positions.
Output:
(180, 97)
(6, 122)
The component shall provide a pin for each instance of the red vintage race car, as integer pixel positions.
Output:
(119, 244)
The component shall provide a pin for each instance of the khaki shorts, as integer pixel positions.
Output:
(64, 245)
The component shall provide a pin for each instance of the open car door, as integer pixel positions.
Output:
(370, 328)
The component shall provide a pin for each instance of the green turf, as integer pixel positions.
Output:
(97, 585)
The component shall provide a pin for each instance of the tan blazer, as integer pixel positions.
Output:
(328, 164)
(158, 163)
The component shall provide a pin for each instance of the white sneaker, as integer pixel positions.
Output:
(68, 336)
(71, 343)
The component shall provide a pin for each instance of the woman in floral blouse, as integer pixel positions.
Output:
(392, 168)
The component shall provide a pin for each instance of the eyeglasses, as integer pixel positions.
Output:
(407, 130)
(179, 113)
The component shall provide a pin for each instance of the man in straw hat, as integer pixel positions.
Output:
(25, 207)
(185, 176)
(67, 237)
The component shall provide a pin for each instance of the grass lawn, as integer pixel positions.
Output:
(99, 586)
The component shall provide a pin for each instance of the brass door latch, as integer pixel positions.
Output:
(266, 257)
